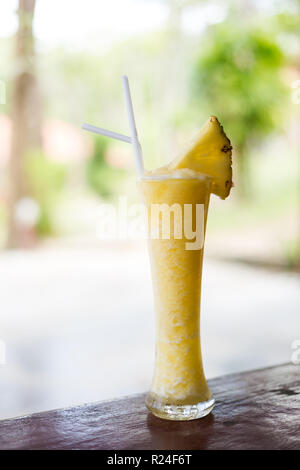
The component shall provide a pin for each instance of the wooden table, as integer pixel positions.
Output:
(254, 410)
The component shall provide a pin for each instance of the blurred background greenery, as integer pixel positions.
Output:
(76, 310)
(238, 60)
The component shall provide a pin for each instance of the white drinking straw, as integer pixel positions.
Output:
(134, 137)
(125, 138)
(107, 133)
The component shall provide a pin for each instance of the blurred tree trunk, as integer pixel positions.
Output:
(26, 117)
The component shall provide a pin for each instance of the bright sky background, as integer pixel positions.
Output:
(98, 23)
(79, 22)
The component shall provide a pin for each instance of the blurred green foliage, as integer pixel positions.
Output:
(46, 179)
(101, 177)
(237, 76)
(291, 252)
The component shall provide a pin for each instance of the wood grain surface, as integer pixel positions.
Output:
(254, 410)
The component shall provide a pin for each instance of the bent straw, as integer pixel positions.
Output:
(134, 137)
(125, 138)
(106, 132)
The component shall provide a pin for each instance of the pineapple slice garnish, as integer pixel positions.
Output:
(209, 153)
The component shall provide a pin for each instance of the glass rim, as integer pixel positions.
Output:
(200, 176)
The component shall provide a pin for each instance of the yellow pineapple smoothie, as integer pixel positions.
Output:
(179, 389)
(176, 274)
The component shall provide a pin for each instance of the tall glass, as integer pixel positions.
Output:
(179, 389)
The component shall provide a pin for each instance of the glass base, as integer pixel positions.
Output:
(179, 412)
